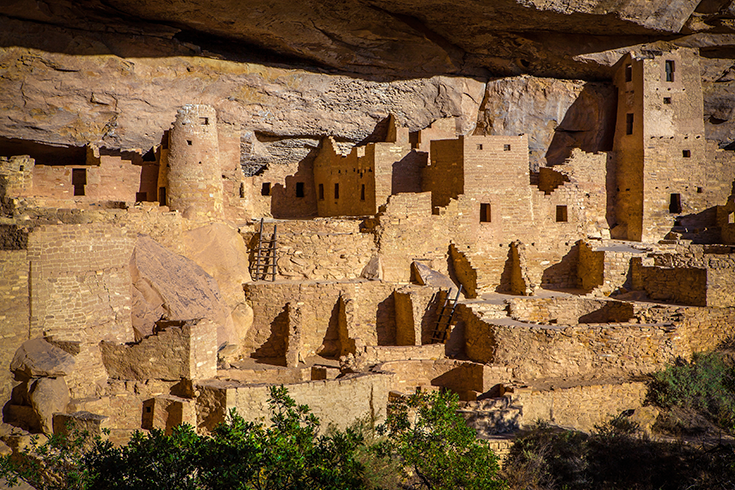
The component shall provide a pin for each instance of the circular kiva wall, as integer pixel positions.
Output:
(194, 174)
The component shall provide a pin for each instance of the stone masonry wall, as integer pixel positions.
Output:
(194, 179)
(686, 286)
(581, 407)
(320, 249)
(319, 304)
(459, 376)
(334, 401)
(188, 351)
(16, 176)
(570, 311)
(14, 321)
(407, 231)
(535, 351)
(81, 291)
(81, 283)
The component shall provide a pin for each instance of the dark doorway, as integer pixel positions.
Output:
(78, 180)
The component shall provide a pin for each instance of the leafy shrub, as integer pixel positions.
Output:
(706, 384)
(288, 454)
(614, 456)
(437, 449)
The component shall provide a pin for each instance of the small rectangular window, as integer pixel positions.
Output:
(265, 189)
(699, 190)
(675, 204)
(479, 147)
(667, 100)
(321, 192)
(300, 189)
(336, 191)
(629, 124)
(686, 153)
(79, 180)
(731, 218)
(362, 192)
(485, 213)
(188, 142)
(669, 70)
(204, 121)
(628, 73)
(506, 147)
(561, 214)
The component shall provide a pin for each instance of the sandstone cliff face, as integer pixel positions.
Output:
(112, 73)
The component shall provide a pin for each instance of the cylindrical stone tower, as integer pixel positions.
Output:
(194, 173)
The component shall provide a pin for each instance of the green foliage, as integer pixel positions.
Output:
(706, 384)
(615, 456)
(53, 463)
(288, 454)
(437, 450)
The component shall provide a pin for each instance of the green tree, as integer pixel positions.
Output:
(435, 447)
(289, 454)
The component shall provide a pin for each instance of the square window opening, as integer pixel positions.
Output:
(506, 147)
(265, 189)
(667, 100)
(629, 124)
(204, 121)
(300, 189)
(675, 203)
(686, 153)
(699, 190)
(479, 147)
(485, 213)
(188, 142)
(561, 214)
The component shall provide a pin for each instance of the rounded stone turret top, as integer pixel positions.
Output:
(196, 118)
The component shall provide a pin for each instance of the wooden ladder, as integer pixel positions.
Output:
(265, 257)
(444, 320)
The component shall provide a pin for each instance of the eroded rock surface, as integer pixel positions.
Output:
(36, 357)
(167, 286)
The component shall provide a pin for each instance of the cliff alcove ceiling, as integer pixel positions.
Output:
(111, 72)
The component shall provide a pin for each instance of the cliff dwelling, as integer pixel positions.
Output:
(165, 275)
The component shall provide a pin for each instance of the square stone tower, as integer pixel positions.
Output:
(659, 141)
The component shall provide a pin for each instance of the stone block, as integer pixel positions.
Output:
(37, 357)
(166, 412)
(81, 421)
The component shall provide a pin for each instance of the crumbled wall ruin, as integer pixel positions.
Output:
(580, 271)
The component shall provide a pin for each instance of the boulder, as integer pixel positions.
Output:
(425, 276)
(48, 396)
(167, 286)
(220, 250)
(37, 357)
